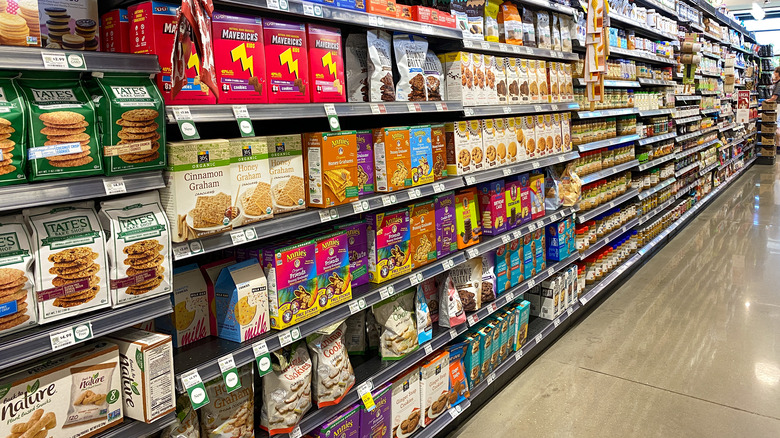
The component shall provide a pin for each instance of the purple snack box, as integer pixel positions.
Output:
(492, 207)
(358, 251)
(377, 422)
(365, 161)
(343, 425)
(444, 204)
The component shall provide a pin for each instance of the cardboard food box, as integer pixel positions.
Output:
(392, 159)
(334, 280)
(422, 240)
(460, 82)
(285, 163)
(326, 64)
(377, 423)
(472, 361)
(151, 25)
(467, 217)
(515, 257)
(387, 8)
(291, 276)
(115, 31)
(146, 362)
(540, 133)
(20, 25)
(522, 323)
(518, 204)
(406, 411)
(421, 155)
(211, 272)
(343, 425)
(365, 161)
(76, 393)
(239, 58)
(557, 246)
(536, 184)
(388, 244)
(355, 5)
(251, 180)
(528, 253)
(446, 243)
(439, 151)
(480, 79)
(492, 207)
(242, 301)
(489, 143)
(458, 148)
(540, 263)
(287, 65)
(526, 136)
(549, 133)
(189, 321)
(69, 24)
(434, 386)
(357, 243)
(331, 165)
(501, 264)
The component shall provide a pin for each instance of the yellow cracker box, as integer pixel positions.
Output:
(77, 393)
(392, 159)
(198, 195)
(331, 168)
(285, 164)
(190, 318)
(19, 25)
(251, 179)
(242, 301)
(146, 362)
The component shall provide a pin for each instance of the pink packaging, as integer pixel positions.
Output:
(326, 64)
(115, 31)
(239, 58)
(492, 207)
(286, 61)
(365, 160)
(444, 204)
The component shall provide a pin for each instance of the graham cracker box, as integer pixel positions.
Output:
(388, 244)
(334, 280)
(492, 206)
(146, 362)
(331, 168)
(460, 81)
(357, 245)
(189, 321)
(406, 410)
(446, 243)
(421, 155)
(239, 58)
(422, 219)
(115, 31)
(211, 272)
(20, 23)
(287, 66)
(198, 191)
(439, 151)
(326, 64)
(285, 164)
(241, 295)
(365, 161)
(251, 179)
(70, 24)
(151, 32)
(392, 159)
(435, 386)
(467, 218)
(77, 393)
(291, 274)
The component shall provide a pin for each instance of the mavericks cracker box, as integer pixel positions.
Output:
(239, 58)
(287, 67)
(326, 64)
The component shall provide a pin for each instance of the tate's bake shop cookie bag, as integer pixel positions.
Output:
(74, 394)
(13, 134)
(17, 307)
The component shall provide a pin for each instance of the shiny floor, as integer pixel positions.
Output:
(688, 347)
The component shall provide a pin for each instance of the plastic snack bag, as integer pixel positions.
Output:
(451, 311)
(286, 389)
(424, 322)
(553, 197)
(570, 187)
(396, 317)
(333, 374)
(380, 66)
(410, 54)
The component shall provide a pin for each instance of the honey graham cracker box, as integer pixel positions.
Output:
(77, 393)
(239, 58)
(331, 166)
(241, 295)
(69, 24)
(285, 164)
(13, 124)
(17, 307)
(19, 24)
(251, 179)
(198, 194)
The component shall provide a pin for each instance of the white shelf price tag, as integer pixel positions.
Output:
(426, 29)
(438, 188)
(518, 355)
(539, 338)
(68, 336)
(262, 357)
(455, 411)
(413, 107)
(556, 322)
(388, 200)
(287, 337)
(453, 333)
(241, 113)
(507, 171)
(529, 51)
(324, 216)
(473, 319)
(227, 365)
(472, 252)
(584, 300)
(414, 193)
(491, 378)
(468, 112)
(517, 234)
(238, 237)
(471, 180)
(416, 279)
(312, 10)
(537, 108)
(507, 109)
(569, 311)
(509, 297)
(428, 349)
(195, 389)
(516, 49)
(531, 283)
(485, 45)
(468, 44)
(535, 165)
(505, 238)
(296, 432)
(186, 123)
(62, 61)
(114, 186)
(493, 306)
(550, 271)
(532, 227)
(181, 251)
(447, 264)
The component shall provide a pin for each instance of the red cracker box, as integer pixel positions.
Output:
(446, 19)
(239, 58)
(115, 31)
(286, 62)
(326, 64)
(152, 26)
(425, 15)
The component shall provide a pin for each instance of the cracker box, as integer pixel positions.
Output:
(77, 393)
(552, 78)
(292, 283)
(71, 275)
(285, 164)
(446, 243)
(514, 148)
(467, 218)
(422, 242)
(242, 302)
(71, 24)
(17, 310)
(501, 263)
(287, 66)
(343, 425)
(20, 24)
(198, 193)
(406, 411)
(210, 274)
(515, 257)
(365, 161)
(472, 361)
(388, 244)
(421, 155)
(331, 165)
(146, 362)
(435, 386)
(14, 144)
(189, 321)
(251, 179)
(536, 184)
(132, 121)
(355, 5)
(439, 151)
(460, 82)
(377, 423)
(326, 64)
(489, 143)
(557, 246)
(494, 75)
(334, 280)
(381, 7)
(239, 58)
(151, 32)
(115, 31)
(492, 207)
(392, 159)
(357, 244)
(139, 247)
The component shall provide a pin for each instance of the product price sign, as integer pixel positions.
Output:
(186, 123)
(196, 390)
(229, 373)
(245, 127)
(364, 391)
(262, 358)
(333, 117)
(68, 336)
(62, 61)
(114, 186)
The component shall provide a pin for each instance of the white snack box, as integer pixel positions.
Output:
(406, 404)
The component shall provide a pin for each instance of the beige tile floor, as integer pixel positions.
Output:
(688, 347)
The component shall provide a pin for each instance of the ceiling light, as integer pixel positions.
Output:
(757, 12)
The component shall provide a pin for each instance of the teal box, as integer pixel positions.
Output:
(485, 334)
(524, 314)
(472, 361)
(515, 256)
(538, 247)
(529, 249)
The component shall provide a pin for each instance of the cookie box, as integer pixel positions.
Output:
(536, 184)
(377, 423)
(518, 203)
(459, 389)
(422, 236)
(388, 244)
(239, 58)
(540, 263)
(434, 386)
(460, 83)
(331, 168)
(291, 276)
(421, 155)
(287, 66)
(490, 138)
(189, 321)
(528, 256)
(357, 243)
(210, 274)
(501, 266)
(458, 148)
(444, 205)
(472, 360)
(557, 245)
(492, 207)
(392, 159)
(406, 410)
(334, 278)
(241, 295)
(515, 258)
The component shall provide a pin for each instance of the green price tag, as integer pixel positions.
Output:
(333, 117)
(196, 390)
(229, 373)
(186, 124)
(244, 121)
(262, 358)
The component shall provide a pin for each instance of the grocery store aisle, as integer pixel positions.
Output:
(688, 347)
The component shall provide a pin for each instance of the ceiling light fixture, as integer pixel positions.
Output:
(757, 12)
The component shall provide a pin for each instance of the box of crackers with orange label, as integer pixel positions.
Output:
(239, 58)
(392, 159)
(326, 64)
(287, 65)
(115, 31)
(331, 168)
(422, 242)
(19, 23)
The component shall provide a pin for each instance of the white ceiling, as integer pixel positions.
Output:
(738, 5)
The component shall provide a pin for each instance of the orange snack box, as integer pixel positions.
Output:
(422, 242)
(392, 159)
(331, 168)
(387, 8)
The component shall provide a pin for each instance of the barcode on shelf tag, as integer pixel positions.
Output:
(324, 215)
(259, 348)
(505, 238)
(516, 49)
(472, 252)
(491, 378)
(471, 180)
(386, 292)
(287, 337)
(238, 237)
(535, 164)
(550, 271)
(531, 283)
(539, 338)
(312, 10)
(296, 432)
(114, 186)
(374, 107)
(413, 193)
(438, 188)
(357, 207)
(453, 333)
(485, 45)
(372, 20)
(556, 322)
(507, 109)
(70, 336)
(569, 311)
(447, 264)
(518, 355)
(507, 171)
(439, 106)
(428, 349)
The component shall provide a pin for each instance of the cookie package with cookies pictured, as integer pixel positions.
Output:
(251, 180)
(19, 23)
(241, 295)
(406, 409)
(410, 52)
(70, 260)
(13, 132)
(189, 321)
(63, 134)
(17, 306)
(332, 374)
(139, 247)
(286, 389)
(130, 110)
(398, 321)
(435, 386)
(230, 414)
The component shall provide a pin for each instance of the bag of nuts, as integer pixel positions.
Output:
(229, 415)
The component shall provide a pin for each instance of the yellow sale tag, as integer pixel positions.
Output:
(368, 401)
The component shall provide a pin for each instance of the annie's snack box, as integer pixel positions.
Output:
(241, 295)
(189, 321)
(292, 283)
(357, 244)
(388, 244)
(287, 66)
(392, 159)
(326, 64)
(446, 242)
(343, 425)
(377, 422)
(334, 281)
(421, 155)
(422, 236)
(77, 393)
(239, 58)
(365, 161)
(115, 31)
(331, 166)
(146, 363)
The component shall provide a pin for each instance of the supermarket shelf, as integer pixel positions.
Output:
(710, 111)
(654, 212)
(707, 93)
(27, 345)
(443, 420)
(525, 166)
(706, 73)
(686, 97)
(708, 169)
(606, 113)
(507, 49)
(30, 58)
(660, 186)
(687, 120)
(686, 169)
(641, 55)
(710, 55)
(639, 27)
(585, 216)
(656, 138)
(686, 190)
(587, 179)
(608, 238)
(656, 162)
(499, 110)
(727, 127)
(688, 136)
(730, 161)
(656, 82)
(224, 113)
(607, 143)
(609, 83)
(19, 196)
(695, 149)
(132, 428)
(665, 10)
(551, 5)
(658, 112)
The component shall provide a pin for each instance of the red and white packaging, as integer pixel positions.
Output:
(286, 61)
(239, 58)
(326, 64)
(115, 31)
